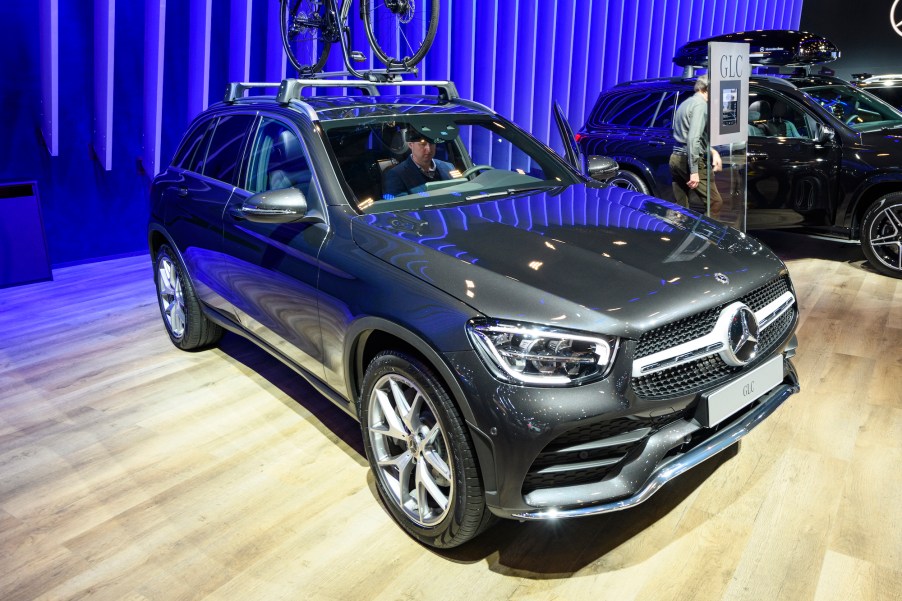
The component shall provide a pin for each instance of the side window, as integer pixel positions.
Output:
(193, 150)
(635, 110)
(225, 148)
(664, 118)
(772, 117)
(277, 160)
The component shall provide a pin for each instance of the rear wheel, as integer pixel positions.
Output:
(188, 327)
(881, 235)
(629, 180)
(400, 31)
(306, 34)
(420, 452)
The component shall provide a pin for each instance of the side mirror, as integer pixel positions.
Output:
(274, 206)
(824, 134)
(601, 168)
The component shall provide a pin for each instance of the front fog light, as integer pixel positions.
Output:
(537, 355)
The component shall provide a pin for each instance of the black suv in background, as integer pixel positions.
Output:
(886, 87)
(822, 154)
(517, 340)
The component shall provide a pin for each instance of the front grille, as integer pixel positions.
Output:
(696, 326)
(711, 370)
(567, 463)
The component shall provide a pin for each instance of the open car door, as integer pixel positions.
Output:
(571, 151)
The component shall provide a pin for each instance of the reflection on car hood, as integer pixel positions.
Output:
(598, 259)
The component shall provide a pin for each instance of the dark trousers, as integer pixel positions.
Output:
(693, 198)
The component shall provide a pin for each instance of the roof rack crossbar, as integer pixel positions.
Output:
(290, 89)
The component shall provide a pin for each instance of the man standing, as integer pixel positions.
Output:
(689, 161)
(412, 174)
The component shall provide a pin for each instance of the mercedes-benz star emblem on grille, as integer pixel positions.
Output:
(742, 338)
(721, 278)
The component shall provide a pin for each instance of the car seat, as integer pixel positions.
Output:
(779, 126)
(759, 114)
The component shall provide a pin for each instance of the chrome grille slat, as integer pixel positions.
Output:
(706, 372)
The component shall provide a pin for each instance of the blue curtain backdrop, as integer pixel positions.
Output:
(518, 57)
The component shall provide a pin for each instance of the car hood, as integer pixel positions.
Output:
(598, 259)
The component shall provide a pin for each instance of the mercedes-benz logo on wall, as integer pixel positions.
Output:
(895, 16)
(742, 337)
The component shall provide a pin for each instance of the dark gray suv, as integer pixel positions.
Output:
(516, 340)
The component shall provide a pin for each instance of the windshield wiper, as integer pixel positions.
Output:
(507, 192)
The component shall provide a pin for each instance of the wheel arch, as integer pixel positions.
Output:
(369, 336)
(638, 167)
(869, 192)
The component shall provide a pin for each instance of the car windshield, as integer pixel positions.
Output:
(856, 108)
(422, 160)
(888, 93)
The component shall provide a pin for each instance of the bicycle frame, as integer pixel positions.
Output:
(337, 12)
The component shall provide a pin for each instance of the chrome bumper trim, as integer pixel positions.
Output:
(678, 465)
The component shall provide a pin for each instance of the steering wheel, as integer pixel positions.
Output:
(851, 119)
(475, 169)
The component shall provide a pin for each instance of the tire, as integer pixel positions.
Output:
(629, 180)
(307, 46)
(411, 25)
(420, 452)
(881, 235)
(188, 327)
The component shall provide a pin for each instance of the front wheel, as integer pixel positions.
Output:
(306, 34)
(400, 31)
(881, 235)
(420, 452)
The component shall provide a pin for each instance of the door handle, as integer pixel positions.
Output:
(756, 155)
(182, 191)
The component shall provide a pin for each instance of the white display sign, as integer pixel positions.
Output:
(728, 92)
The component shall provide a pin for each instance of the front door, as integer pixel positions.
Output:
(273, 267)
(790, 173)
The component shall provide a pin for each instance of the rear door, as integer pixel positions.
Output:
(202, 180)
(791, 176)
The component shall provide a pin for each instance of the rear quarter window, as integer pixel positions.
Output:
(224, 153)
(635, 110)
(191, 153)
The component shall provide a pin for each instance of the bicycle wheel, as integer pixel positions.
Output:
(305, 34)
(400, 31)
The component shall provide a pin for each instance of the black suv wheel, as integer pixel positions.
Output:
(881, 235)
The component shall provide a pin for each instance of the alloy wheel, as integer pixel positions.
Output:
(172, 300)
(411, 450)
(885, 236)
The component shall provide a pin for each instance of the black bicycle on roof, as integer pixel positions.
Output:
(400, 32)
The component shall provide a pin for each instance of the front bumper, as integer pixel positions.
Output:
(658, 445)
(514, 427)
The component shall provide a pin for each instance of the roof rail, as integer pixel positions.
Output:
(290, 89)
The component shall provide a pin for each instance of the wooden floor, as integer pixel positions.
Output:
(130, 470)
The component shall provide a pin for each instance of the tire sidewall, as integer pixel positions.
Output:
(452, 426)
(870, 216)
(191, 337)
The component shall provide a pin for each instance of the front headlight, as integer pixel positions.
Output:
(531, 354)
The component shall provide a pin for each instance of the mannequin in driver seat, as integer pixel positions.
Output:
(412, 174)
